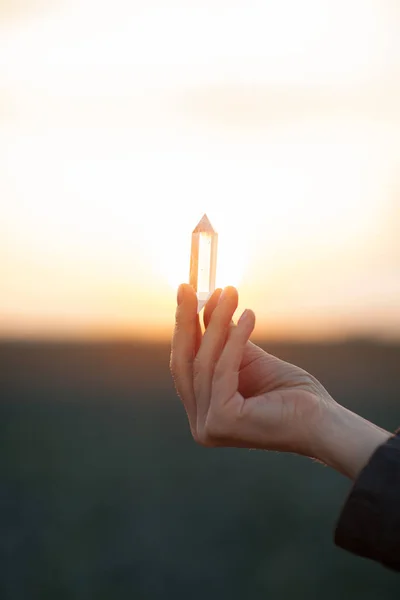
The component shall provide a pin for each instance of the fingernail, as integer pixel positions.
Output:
(222, 296)
(244, 316)
(181, 294)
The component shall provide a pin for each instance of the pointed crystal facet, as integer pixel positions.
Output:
(203, 260)
(204, 226)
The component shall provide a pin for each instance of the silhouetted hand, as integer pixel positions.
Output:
(235, 394)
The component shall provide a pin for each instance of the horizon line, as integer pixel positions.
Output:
(161, 341)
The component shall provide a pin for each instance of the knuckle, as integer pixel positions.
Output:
(219, 371)
(201, 364)
(205, 440)
(216, 426)
(211, 432)
(197, 363)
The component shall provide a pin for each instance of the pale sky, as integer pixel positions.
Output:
(122, 123)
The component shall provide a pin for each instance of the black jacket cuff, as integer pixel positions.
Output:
(369, 524)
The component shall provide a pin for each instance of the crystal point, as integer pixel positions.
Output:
(203, 260)
(204, 226)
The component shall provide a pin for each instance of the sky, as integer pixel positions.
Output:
(122, 123)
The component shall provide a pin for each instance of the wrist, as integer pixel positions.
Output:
(346, 441)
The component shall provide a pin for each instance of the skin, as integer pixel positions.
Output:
(236, 394)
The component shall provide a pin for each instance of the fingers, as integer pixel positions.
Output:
(207, 366)
(226, 374)
(211, 347)
(210, 306)
(208, 310)
(183, 351)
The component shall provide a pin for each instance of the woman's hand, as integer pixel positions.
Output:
(235, 394)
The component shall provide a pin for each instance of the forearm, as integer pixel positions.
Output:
(346, 441)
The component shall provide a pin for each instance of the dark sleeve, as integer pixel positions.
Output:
(369, 524)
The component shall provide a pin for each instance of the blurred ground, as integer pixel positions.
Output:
(103, 494)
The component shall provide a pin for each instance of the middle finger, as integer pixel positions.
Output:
(211, 347)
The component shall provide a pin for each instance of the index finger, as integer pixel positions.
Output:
(183, 349)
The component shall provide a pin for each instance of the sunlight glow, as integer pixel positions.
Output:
(119, 129)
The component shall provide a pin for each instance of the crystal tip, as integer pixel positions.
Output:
(204, 225)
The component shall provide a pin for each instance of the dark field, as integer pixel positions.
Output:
(103, 494)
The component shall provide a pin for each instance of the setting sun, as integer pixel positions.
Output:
(112, 148)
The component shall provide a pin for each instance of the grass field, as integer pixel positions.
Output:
(103, 494)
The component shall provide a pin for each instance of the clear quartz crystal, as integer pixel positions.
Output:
(203, 260)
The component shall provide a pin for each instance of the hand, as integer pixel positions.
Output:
(235, 394)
